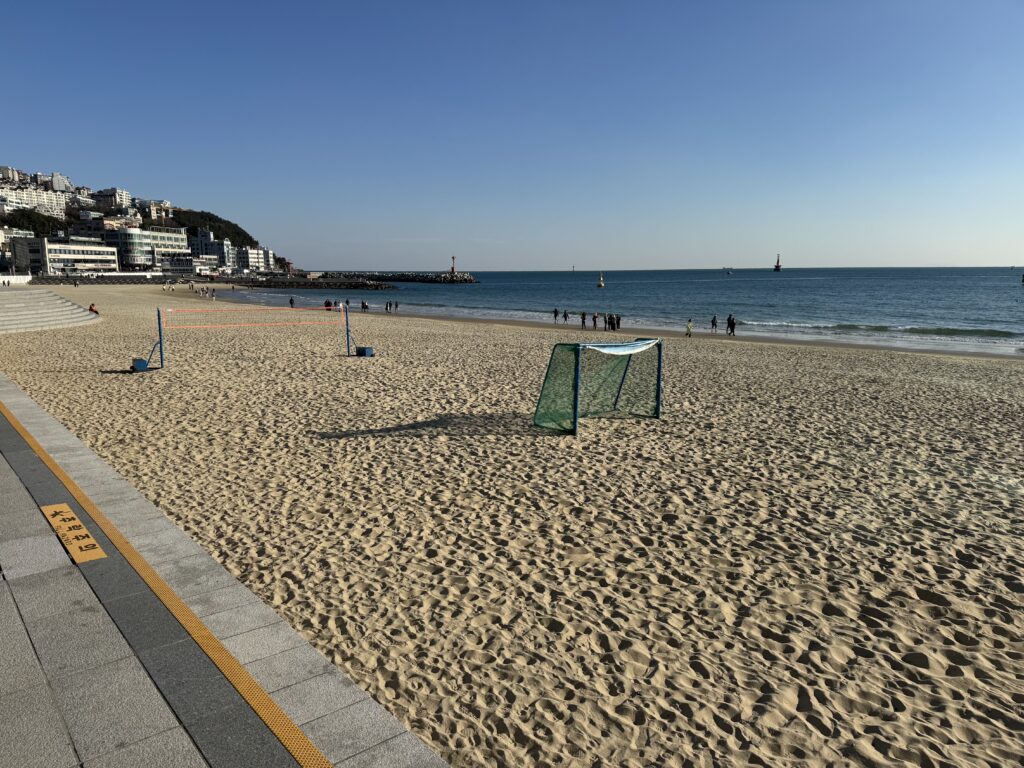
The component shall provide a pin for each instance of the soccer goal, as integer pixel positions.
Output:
(594, 380)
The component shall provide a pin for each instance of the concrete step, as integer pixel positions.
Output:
(57, 320)
(36, 310)
(47, 326)
(37, 306)
(41, 311)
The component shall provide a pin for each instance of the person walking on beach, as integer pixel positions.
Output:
(291, 302)
(594, 321)
(689, 328)
(565, 317)
(730, 326)
(556, 315)
(583, 320)
(714, 323)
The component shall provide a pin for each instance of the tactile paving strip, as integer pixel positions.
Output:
(289, 734)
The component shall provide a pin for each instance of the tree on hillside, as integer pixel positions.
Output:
(221, 228)
(41, 224)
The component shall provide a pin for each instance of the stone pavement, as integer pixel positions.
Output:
(128, 645)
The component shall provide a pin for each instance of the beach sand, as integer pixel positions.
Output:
(814, 558)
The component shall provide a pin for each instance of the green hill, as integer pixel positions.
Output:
(40, 223)
(221, 228)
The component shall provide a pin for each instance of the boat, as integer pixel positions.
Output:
(778, 263)
(600, 279)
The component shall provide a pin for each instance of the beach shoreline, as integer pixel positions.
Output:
(814, 556)
(642, 332)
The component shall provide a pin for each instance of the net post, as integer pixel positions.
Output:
(348, 333)
(160, 336)
(576, 393)
(657, 406)
(622, 381)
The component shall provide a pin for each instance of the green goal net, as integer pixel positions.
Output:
(593, 380)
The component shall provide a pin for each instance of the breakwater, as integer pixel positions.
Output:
(353, 283)
(286, 283)
(402, 277)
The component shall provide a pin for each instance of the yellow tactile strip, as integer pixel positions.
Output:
(289, 734)
(72, 533)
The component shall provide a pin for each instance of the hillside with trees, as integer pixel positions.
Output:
(41, 224)
(221, 228)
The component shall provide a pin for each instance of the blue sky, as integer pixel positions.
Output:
(537, 135)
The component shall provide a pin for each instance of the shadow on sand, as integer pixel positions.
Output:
(454, 425)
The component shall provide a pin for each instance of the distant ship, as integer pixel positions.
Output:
(600, 279)
(778, 263)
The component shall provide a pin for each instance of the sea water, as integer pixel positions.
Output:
(945, 309)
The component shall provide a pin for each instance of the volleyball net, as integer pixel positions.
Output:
(251, 316)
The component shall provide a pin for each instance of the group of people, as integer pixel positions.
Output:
(730, 325)
(610, 322)
(391, 306)
(330, 306)
(6, 283)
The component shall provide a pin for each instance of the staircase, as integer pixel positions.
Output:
(31, 309)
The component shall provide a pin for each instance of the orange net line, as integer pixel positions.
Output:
(255, 308)
(252, 325)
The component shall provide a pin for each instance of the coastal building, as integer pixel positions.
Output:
(218, 252)
(63, 256)
(42, 200)
(255, 259)
(7, 207)
(269, 260)
(7, 235)
(183, 265)
(112, 199)
(154, 209)
(143, 249)
(61, 183)
(9, 174)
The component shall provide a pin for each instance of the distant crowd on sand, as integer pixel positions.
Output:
(610, 322)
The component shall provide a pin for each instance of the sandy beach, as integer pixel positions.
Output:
(814, 558)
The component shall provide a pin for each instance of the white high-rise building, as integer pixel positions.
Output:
(61, 183)
(42, 200)
(205, 245)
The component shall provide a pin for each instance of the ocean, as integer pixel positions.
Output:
(978, 309)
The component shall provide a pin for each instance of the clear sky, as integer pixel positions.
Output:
(537, 135)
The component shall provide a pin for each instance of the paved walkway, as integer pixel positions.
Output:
(122, 643)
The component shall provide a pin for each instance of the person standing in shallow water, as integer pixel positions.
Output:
(565, 317)
(583, 320)
(556, 315)
(689, 328)
(714, 323)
